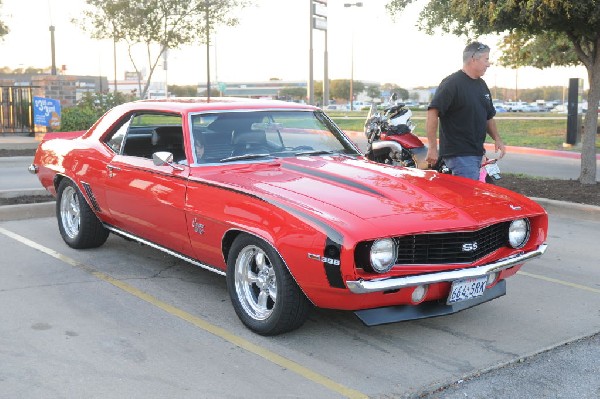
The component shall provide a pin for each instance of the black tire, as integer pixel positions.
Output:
(264, 294)
(78, 225)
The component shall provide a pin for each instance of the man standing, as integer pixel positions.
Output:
(463, 104)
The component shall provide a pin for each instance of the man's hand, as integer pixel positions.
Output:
(432, 156)
(499, 144)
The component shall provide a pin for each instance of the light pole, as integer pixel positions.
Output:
(357, 4)
(52, 49)
(207, 52)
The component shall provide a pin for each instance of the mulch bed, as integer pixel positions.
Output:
(556, 189)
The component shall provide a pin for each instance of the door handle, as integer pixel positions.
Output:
(112, 169)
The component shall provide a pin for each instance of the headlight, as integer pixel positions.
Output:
(383, 255)
(518, 233)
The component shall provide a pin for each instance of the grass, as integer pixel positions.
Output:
(545, 130)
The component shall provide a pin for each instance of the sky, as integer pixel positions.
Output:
(271, 41)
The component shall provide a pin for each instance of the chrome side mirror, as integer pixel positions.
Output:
(162, 158)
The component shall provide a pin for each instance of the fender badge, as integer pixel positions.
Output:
(515, 207)
(198, 227)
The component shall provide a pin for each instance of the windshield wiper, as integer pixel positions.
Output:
(315, 152)
(244, 156)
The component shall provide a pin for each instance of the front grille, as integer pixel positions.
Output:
(460, 247)
(441, 248)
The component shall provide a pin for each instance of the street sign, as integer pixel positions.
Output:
(320, 10)
(319, 23)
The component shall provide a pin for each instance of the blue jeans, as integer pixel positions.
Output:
(466, 166)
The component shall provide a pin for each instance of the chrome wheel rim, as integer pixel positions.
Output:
(70, 212)
(255, 282)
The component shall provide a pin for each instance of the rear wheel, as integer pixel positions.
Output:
(264, 294)
(78, 225)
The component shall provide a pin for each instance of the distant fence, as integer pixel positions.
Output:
(16, 110)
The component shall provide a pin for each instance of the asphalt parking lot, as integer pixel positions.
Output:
(124, 320)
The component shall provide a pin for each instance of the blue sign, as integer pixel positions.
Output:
(46, 112)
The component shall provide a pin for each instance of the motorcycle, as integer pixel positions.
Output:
(390, 140)
(390, 137)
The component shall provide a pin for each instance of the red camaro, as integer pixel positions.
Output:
(277, 198)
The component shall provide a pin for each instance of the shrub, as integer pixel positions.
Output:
(91, 107)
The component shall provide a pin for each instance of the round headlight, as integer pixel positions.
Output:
(383, 255)
(518, 233)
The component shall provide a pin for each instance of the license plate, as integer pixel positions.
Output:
(466, 289)
(493, 170)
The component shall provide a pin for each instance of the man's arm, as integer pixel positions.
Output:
(492, 130)
(431, 128)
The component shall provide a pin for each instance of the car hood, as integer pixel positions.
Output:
(350, 191)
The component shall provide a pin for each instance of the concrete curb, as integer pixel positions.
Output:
(564, 208)
(27, 211)
(23, 192)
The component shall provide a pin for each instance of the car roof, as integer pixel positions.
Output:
(185, 105)
(194, 104)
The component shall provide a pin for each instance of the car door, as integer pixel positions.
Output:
(144, 199)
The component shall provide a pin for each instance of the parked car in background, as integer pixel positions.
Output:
(530, 108)
(515, 106)
(275, 197)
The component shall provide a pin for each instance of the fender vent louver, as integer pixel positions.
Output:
(90, 195)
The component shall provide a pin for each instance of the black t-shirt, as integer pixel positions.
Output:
(464, 105)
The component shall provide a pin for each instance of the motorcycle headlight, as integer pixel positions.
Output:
(518, 233)
(383, 255)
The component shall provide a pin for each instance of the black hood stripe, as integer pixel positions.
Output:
(334, 178)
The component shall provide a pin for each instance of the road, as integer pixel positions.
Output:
(15, 176)
(127, 321)
(124, 320)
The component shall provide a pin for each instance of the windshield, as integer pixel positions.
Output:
(231, 135)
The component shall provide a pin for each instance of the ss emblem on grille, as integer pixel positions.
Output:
(469, 247)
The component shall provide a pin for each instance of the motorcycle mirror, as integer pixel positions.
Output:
(393, 97)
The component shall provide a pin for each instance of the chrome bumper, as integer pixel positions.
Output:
(385, 284)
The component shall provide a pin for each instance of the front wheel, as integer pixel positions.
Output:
(78, 225)
(264, 294)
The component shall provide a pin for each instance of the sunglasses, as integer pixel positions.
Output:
(481, 47)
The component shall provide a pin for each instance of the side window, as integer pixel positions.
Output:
(146, 133)
(117, 140)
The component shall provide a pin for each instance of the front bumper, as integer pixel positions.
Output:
(393, 314)
(394, 283)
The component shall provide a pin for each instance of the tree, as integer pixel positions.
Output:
(156, 24)
(3, 28)
(340, 88)
(394, 88)
(373, 92)
(183, 91)
(293, 93)
(542, 33)
(318, 93)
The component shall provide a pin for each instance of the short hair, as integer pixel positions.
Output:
(473, 49)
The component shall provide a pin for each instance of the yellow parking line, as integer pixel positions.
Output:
(562, 282)
(196, 321)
